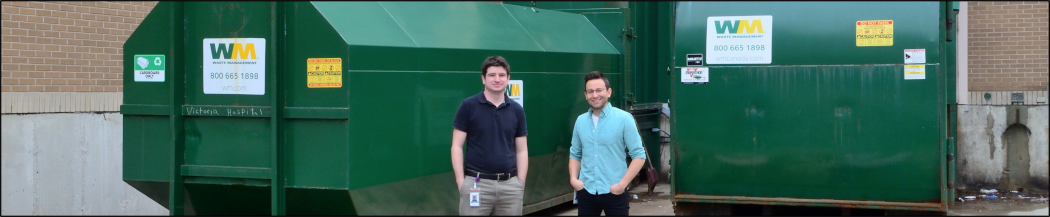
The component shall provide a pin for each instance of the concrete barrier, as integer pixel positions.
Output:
(1003, 147)
(67, 164)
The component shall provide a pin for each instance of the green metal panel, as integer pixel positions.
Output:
(147, 135)
(650, 35)
(827, 123)
(828, 27)
(547, 28)
(640, 30)
(143, 109)
(642, 33)
(949, 79)
(144, 145)
(852, 137)
(563, 5)
(378, 144)
(439, 30)
(362, 23)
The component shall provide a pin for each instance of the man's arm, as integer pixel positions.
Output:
(634, 147)
(575, 154)
(522, 150)
(521, 147)
(458, 137)
(574, 172)
(619, 187)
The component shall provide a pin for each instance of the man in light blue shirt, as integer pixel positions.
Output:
(597, 167)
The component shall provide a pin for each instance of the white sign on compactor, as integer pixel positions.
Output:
(695, 75)
(149, 68)
(516, 91)
(914, 64)
(740, 40)
(914, 56)
(234, 66)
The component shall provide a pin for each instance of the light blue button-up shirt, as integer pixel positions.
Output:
(601, 150)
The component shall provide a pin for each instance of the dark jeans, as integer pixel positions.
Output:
(588, 204)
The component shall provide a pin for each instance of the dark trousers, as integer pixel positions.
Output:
(588, 204)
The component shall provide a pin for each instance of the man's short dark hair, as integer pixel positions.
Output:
(595, 75)
(494, 61)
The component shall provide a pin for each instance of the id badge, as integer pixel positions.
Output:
(475, 197)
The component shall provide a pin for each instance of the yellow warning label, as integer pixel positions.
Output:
(874, 33)
(324, 72)
(913, 72)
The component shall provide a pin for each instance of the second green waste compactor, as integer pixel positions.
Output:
(820, 104)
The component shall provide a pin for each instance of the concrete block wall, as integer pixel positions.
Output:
(59, 102)
(1006, 98)
(989, 150)
(67, 164)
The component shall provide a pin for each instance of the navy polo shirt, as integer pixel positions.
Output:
(490, 133)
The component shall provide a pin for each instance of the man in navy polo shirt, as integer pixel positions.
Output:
(491, 180)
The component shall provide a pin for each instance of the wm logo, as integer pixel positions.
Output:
(233, 51)
(738, 26)
(514, 90)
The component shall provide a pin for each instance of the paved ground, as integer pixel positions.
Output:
(1038, 212)
(660, 204)
(657, 204)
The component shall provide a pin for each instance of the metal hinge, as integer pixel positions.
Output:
(629, 32)
(948, 23)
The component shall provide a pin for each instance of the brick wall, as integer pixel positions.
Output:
(1008, 46)
(57, 48)
(66, 46)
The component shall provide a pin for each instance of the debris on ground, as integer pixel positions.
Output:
(995, 202)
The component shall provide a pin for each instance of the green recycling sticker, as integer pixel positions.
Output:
(149, 68)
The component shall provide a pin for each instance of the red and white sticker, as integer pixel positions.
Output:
(914, 56)
(694, 75)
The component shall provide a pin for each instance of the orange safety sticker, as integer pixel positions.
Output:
(874, 33)
(324, 72)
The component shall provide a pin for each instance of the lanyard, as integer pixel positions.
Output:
(476, 179)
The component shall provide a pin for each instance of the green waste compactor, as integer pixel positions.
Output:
(340, 107)
(821, 104)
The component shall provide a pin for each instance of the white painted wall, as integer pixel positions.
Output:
(962, 54)
(1037, 142)
(980, 148)
(67, 164)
